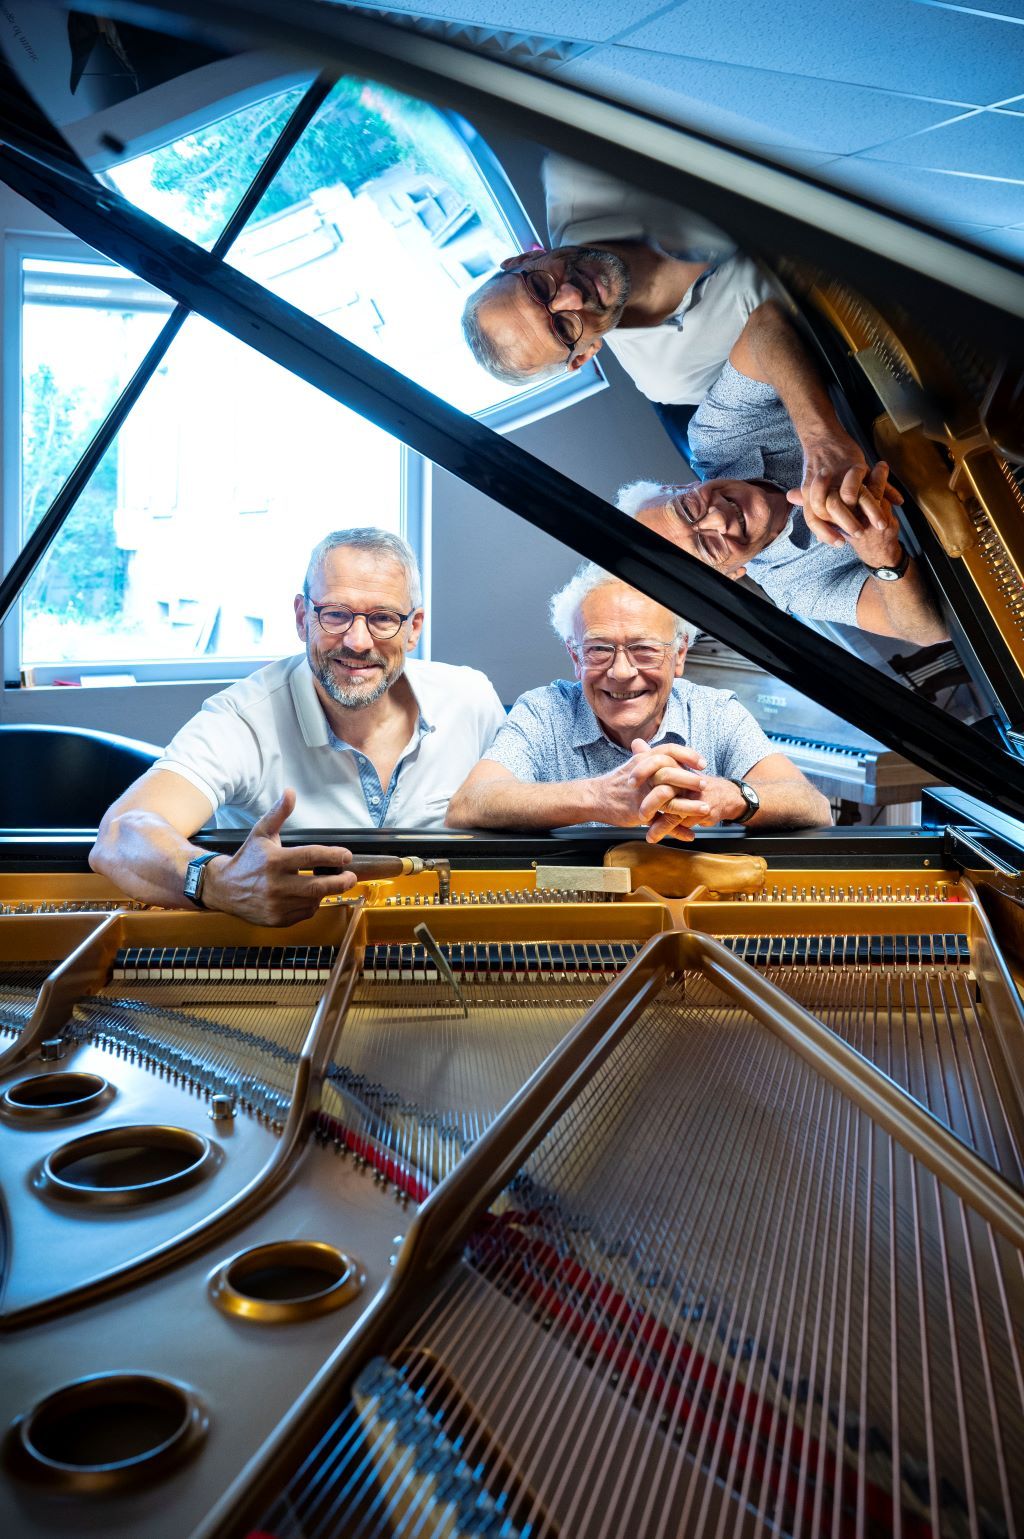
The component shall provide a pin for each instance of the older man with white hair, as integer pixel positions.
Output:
(836, 558)
(350, 733)
(631, 742)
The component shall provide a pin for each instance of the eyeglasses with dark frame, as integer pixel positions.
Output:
(600, 655)
(382, 624)
(566, 325)
(712, 545)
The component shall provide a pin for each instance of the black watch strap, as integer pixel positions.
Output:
(751, 798)
(195, 876)
(892, 573)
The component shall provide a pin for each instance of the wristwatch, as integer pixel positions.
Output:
(195, 876)
(751, 798)
(892, 573)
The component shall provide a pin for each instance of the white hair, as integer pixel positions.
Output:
(631, 498)
(565, 604)
(379, 542)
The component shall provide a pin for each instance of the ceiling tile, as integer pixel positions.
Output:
(756, 106)
(1008, 10)
(595, 22)
(987, 144)
(926, 50)
(930, 195)
(658, 82)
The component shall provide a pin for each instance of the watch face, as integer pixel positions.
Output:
(892, 573)
(751, 798)
(194, 874)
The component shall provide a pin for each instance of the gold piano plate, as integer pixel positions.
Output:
(422, 1070)
(963, 485)
(285, 1281)
(730, 1279)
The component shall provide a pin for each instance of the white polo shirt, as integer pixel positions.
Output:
(269, 731)
(677, 362)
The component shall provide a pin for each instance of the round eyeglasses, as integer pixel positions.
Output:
(600, 655)
(382, 624)
(566, 325)
(712, 545)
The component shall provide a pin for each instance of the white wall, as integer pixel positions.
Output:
(494, 573)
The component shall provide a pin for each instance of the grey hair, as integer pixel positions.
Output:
(565, 604)
(378, 542)
(481, 344)
(630, 499)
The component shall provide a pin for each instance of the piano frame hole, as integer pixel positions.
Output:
(107, 1432)
(56, 1097)
(126, 1166)
(286, 1280)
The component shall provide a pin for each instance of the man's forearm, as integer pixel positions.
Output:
(790, 804)
(143, 855)
(522, 804)
(904, 609)
(769, 350)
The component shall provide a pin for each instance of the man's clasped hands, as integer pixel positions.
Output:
(665, 789)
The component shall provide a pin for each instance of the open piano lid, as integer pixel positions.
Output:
(887, 301)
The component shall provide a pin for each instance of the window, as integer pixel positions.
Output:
(191, 538)
(182, 555)
(382, 219)
(194, 183)
(85, 325)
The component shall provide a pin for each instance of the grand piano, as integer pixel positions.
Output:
(553, 1186)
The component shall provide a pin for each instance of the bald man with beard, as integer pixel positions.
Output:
(668, 295)
(350, 733)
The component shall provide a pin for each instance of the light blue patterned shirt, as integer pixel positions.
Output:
(741, 430)
(552, 734)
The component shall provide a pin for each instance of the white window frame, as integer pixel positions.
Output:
(414, 522)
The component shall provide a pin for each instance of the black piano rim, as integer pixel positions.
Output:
(45, 851)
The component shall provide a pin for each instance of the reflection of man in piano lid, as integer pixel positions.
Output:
(837, 557)
(632, 742)
(667, 293)
(350, 733)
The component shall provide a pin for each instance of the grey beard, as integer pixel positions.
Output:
(356, 699)
(610, 264)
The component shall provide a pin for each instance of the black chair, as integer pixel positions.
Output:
(65, 777)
